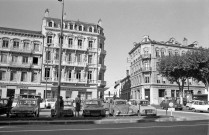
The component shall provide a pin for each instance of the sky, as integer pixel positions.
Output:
(124, 22)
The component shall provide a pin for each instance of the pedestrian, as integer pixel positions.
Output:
(77, 105)
(61, 105)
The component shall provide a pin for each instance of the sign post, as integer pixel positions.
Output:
(171, 109)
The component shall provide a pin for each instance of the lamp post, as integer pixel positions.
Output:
(60, 60)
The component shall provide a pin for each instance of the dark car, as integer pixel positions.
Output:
(26, 107)
(176, 104)
(93, 107)
(4, 106)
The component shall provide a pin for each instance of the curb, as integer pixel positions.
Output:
(105, 121)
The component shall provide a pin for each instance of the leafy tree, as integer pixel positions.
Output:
(199, 62)
(176, 69)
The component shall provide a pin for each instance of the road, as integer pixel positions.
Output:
(151, 128)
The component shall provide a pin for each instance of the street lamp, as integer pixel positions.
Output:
(60, 60)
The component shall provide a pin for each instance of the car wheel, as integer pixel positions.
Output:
(187, 107)
(35, 115)
(193, 110)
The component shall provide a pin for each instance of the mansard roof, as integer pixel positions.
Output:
(20, 31)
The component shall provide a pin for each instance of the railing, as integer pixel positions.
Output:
(92, 49)
(146, 69)
(146, 56)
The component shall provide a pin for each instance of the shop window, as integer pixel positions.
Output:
(161, 92)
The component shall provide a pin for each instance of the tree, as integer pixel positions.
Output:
(176, 69)
(199, 62)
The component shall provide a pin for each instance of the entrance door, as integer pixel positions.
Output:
(147, 94)
(10, 92)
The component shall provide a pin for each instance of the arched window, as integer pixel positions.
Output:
(90, 29)
(157, 52)
(50, 24)
(162, 52)
(80, 28)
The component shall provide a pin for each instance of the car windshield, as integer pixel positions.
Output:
(144, 103)
(27, 102)
(120, 102)
(51, 100)
(92, 102)
(68, 103)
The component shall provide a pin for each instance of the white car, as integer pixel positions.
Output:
(48, 103)
(200, 106)
(189, 104)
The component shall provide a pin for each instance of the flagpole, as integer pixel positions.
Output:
(60, 61)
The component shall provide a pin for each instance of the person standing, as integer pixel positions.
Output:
(61, 105)
(77, 105)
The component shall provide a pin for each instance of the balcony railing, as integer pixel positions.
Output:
(146, 69)
(146, 56)
(23, 65)
(92, 49)
(101, 83)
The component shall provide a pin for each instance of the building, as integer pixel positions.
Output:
(29, 60)
(146, 82)
(20, 62)
(82, 58)
(126, 87)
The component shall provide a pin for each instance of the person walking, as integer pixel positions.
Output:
(77, 105)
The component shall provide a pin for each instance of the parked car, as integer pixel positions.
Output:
(199, 105)
(93, 107)
(189, 104)
(68, 109)
(14, 103)
(48, 103)
(142, 107)
(120, 107)
(4, 108)
(176, 104)
(26, 107)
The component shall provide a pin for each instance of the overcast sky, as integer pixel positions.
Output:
(124, 22)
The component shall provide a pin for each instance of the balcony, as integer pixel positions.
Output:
(101, 83)
(146, 56)
(92, 49)
(101, 66)
(4, 63)
(17, 64)
(76, 64)
(146, 69)
(101, 51)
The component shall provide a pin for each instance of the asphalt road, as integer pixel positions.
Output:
(151, 128)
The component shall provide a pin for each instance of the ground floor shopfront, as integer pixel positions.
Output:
(156, 93)
(50, 91)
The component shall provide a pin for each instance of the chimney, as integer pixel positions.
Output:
(46, 13)
(185, 42)
(100, 22)
(65, 16)
(127, 72)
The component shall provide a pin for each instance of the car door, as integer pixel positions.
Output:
(134, 106)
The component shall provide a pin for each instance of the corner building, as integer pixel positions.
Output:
(146, 82)
(83, 54)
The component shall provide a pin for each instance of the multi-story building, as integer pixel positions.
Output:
(83, 57)
(146, 82)
(20, 61)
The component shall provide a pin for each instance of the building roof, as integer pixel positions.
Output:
(21, 31)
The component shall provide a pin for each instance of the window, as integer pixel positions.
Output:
(13, 76)
(26, 46)
(60, 40)
(5, 44)
(2, 75)
(90, 59)
(48, 55)
(70, 42)
(3, 58)
(90, 44)
(80, 28)
(35, 60)
(49, 39)
(158, 78)
(57, 55)
(101, 46)
(25, 60)
(79, 44)
(146, 79)
(71, 26)
(78, 74)
(162, 52)
(34, 77)
(47, 73)
(172, 93)
(16, 44)
(90, 29)
(50, 24)
(36, 47)
(170, 53)
(70, 58)
(79, 58)
(157, 53)
(89, 77)
(161, 92)
(100, 76)
(24, 76)
(69, 74)
(14, 58)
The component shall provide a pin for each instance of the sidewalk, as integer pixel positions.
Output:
(90, 120)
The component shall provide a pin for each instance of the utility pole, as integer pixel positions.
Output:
(60, 61)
